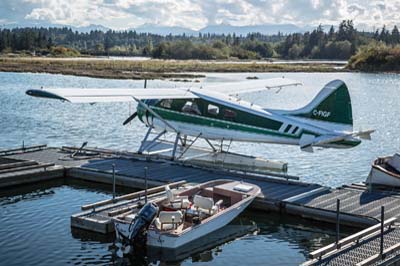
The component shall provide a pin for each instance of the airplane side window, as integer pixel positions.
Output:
(213, 110)
(191, 108)
(167, 103)
(229, 114)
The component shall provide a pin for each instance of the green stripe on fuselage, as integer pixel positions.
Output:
(226, 117)
(216, 123)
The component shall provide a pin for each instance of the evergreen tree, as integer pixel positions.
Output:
(395, 38)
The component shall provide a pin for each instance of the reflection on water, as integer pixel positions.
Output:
(35, 230)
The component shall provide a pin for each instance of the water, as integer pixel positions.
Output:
(35, 230)
(35, 220)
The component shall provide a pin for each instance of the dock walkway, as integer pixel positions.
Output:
(359, 207)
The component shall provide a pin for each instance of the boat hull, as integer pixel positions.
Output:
(165, 240)
(380, 177)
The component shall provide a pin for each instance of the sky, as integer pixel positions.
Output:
(196, 14)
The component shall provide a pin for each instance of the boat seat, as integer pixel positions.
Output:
(204, 204)
(168, 220)
(176, 202)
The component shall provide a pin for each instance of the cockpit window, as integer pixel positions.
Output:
(213, 109)
(191, 108)
(167, 103)
(229, 114)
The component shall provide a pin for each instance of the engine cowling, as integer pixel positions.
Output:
(142, 220)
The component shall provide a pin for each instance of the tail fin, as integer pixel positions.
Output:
(332, 104)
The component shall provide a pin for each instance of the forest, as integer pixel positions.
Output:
(340, 43)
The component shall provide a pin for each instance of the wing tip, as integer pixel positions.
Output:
(45, 94)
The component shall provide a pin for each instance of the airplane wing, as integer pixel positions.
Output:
(111, 95)
(76, 95)
(233, 88)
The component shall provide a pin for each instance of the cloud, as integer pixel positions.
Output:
(196, 14)
(76, 13)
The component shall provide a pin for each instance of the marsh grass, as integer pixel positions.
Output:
(148, 69)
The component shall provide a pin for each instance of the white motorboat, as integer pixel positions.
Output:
(385, 171)
(232, 231)
(180, 218)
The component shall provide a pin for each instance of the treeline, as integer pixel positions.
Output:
(376, 57)
(248, 49)
(340, 44)
(131, 43)
(317, 44)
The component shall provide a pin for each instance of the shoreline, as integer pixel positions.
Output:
(180, 70)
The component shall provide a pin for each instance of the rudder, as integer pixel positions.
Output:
(332, 104)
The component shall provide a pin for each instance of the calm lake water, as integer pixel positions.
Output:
(35, 220)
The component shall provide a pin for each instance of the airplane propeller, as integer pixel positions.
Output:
(130, 118)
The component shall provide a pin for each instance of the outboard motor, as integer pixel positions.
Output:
(143, 219)
(135, 232)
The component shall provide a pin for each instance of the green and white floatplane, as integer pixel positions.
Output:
(214, 112)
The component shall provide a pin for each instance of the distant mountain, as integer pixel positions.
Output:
(164, 30)
(267, 29)
(39, 24)
(90, 28)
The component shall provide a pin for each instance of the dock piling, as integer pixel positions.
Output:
(337, 223)
(113, 177)
(382, 229)
(145, 184)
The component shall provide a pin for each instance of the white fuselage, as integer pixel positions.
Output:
(290, 131)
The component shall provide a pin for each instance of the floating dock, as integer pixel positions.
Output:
(360, 207)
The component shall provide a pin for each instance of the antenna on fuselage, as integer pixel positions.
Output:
(145, 83)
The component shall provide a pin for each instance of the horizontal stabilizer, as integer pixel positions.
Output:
(364, 134)
(308, 141)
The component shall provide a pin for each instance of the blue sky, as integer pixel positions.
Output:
(122, 14)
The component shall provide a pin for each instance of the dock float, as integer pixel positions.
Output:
(24, 171)
(97, 217)
(280, 192)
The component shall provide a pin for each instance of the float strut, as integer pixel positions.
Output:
(141, 148)
(212, 146)
(175, 145)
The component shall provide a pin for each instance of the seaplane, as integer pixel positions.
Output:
(217, 112)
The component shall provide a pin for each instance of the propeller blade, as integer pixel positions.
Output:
(130, 118)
